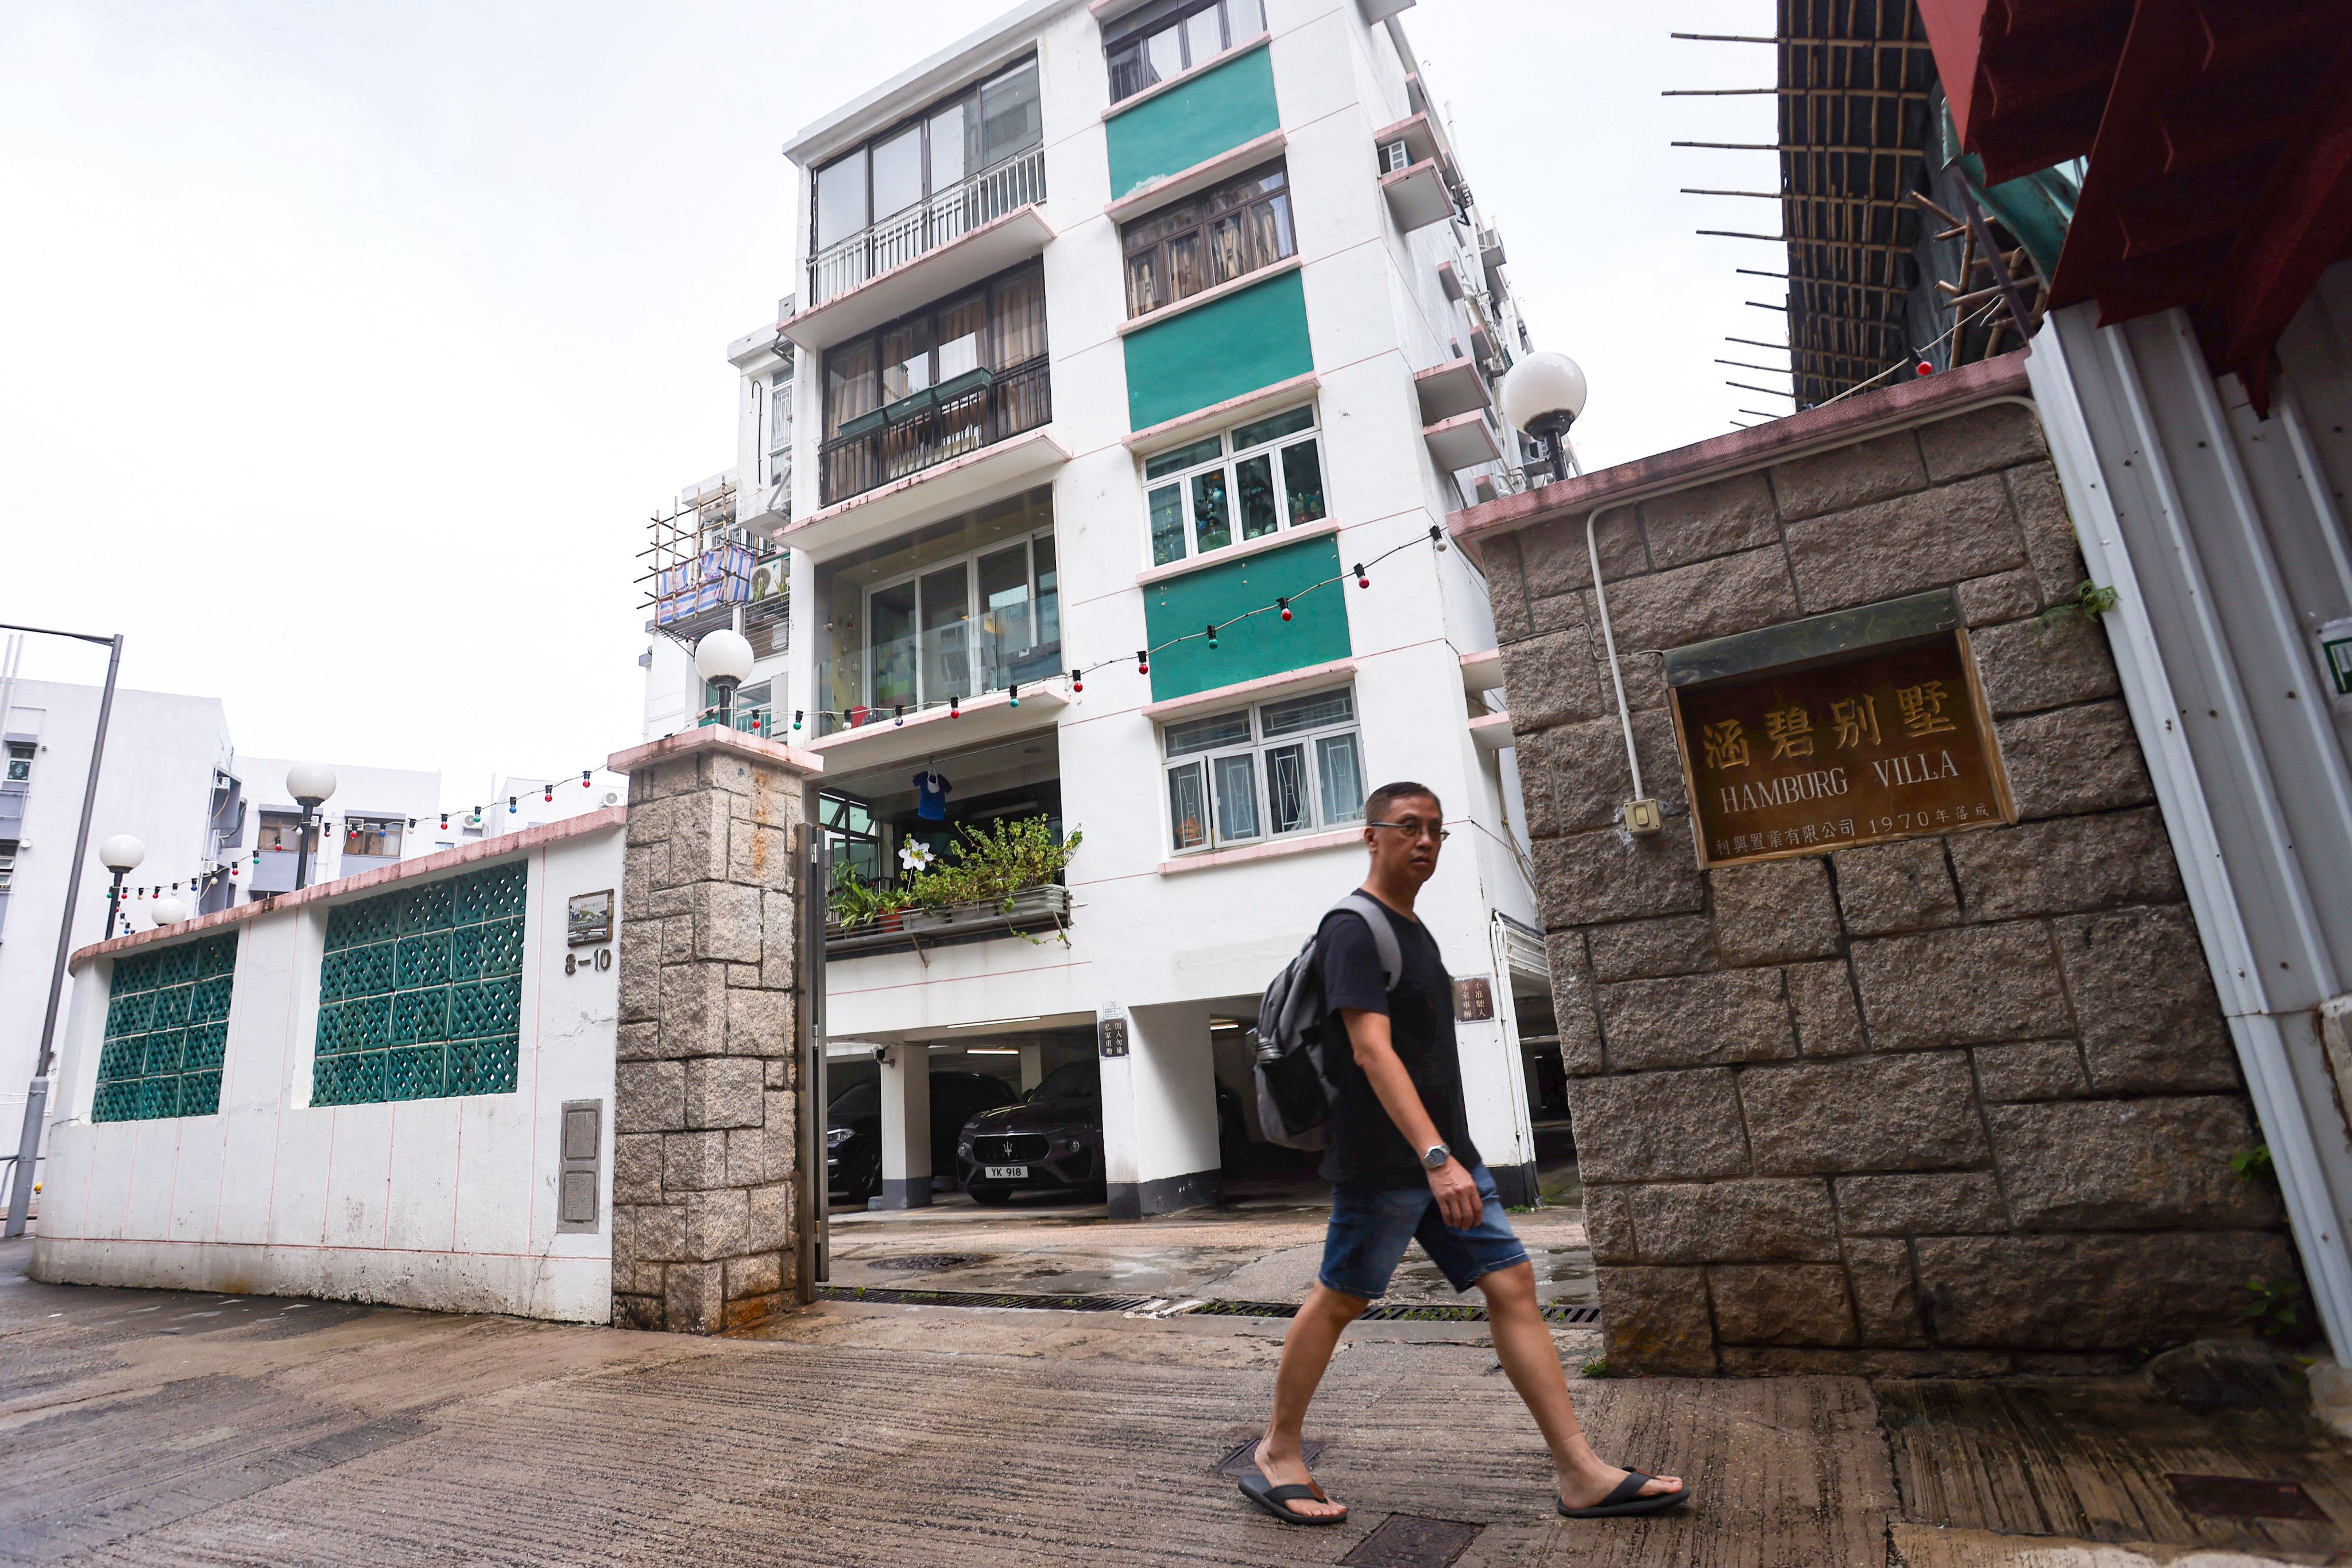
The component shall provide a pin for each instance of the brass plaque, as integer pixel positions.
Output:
(1890, 742)
(1473, 999)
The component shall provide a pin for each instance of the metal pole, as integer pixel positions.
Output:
(113, 904)
(36, 1095)
(815, 877)
(302, 849)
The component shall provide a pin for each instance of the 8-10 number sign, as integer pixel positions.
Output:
(1890, 742)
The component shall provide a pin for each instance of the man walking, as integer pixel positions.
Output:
(1402, 1168)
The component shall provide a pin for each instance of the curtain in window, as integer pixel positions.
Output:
(851, 387)
(1018, 329)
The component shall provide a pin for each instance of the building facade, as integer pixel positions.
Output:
(1135, 354)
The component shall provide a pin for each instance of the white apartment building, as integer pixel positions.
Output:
(376, 817)
(1132, 326)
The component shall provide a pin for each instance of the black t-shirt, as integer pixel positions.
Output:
(1366, 1149)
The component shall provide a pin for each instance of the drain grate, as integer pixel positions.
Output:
(890, 1296)
(1410, 1540)
(924, 1262)
(2243, 1497)
(1558, 1312)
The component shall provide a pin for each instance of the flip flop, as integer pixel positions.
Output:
(1623, 1501)
(1276, 1500)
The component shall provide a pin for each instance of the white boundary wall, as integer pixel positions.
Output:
(446, 1204)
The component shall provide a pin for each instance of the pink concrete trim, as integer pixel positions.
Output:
(1390, 133)
(1180, 77)
(1010, 444)
(1218, 413)
(1249, 691)
(1399, 176)
(715, 737)
(1052, 689)
(815, 315)
(1211, 296)
(1840, 424)
(499, 847)
(1338, 838)
(1235, 552)
(1487, 725)
(1198, 177)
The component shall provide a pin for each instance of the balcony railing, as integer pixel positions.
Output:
(927, 225)
(960, 415)
(960, 660)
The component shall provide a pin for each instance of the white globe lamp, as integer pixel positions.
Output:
(168, 912)
(310, 783)
(723, 658)
(119, 854)
(1543, 394)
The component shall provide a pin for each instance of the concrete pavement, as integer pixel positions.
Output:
(158, 1429)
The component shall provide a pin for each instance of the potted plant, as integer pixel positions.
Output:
(854, 905)
(1007, 868)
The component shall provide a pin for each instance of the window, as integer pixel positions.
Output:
(166, 1031)
(929, 156)
(1222, 234)
(279, 831)
(420, 991)
(1244, 484)
(1167, 38)
(1287, 767)
(978, 624)
(755, 706)
(7, 862)
(373, 836)
(780, 426)
(856, 841)
(933, 386)
(20, 761)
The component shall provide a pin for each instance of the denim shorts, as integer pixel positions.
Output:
(1370, 1224)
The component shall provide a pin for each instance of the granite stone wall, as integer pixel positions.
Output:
(1945, 1104)
(706, 1147)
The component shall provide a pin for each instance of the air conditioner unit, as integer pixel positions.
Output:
(470, 820)
(610, 798)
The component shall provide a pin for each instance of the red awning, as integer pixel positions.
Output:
(2220, 139)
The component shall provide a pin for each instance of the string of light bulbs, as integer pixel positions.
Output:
(1211, 632)
(324, 826)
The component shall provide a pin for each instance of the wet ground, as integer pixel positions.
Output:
(1263, 1247)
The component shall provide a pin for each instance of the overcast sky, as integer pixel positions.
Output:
(344, 350)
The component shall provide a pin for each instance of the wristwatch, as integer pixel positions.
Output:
(1434, 1156)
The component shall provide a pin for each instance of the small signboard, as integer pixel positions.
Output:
(1473, 999)
(1853, 746)
(588, 919)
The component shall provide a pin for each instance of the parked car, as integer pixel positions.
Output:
(1054, 1137)
(853, 1136)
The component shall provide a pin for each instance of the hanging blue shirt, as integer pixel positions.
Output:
(931, 797)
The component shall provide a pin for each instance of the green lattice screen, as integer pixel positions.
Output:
(420, 992)
(166, 1031)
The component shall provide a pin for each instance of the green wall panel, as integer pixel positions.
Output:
(1265, 644)
(1246, 340)
(1215, 110)
(420, 991)
(166, 1031)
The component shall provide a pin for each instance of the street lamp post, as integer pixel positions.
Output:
(723, 658)
(168, 912)
(119, 854)
(310, 783)
(36, 1093)
(1542, 395)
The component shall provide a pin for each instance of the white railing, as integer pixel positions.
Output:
(946, 215)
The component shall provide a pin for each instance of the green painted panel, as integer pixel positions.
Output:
(166, 1030)
(420, 991)
(1246, 340)
(1265, 644)
(1215, 112)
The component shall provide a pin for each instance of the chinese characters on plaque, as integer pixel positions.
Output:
(1887, 742)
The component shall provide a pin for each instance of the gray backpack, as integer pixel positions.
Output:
(1295, 1062)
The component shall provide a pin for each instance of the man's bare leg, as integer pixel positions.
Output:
(1306, 1354)
(1523, 1346)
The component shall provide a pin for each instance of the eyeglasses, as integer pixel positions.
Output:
(1416, 829)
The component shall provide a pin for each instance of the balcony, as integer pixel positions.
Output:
(968, 232)
(955, 419)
